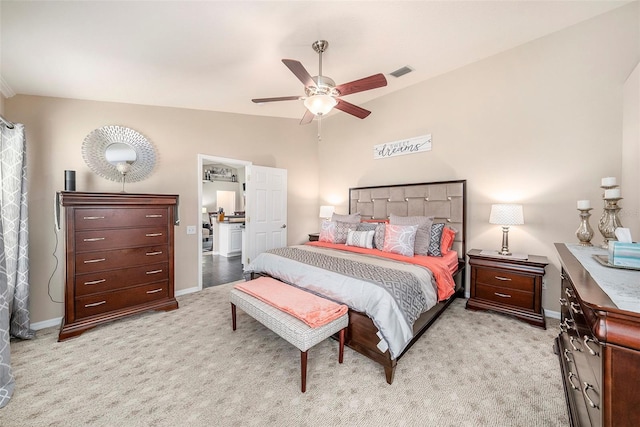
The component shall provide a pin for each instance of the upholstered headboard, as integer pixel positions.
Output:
(446, 201)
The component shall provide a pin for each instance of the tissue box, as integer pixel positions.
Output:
(624, 254)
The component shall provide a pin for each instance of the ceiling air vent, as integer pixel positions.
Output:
(401, 71)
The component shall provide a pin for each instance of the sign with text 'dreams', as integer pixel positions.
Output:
(413, 145)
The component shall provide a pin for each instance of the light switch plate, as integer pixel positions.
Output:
(191, 229)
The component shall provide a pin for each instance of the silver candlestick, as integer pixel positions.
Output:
(584, 231)
(609, 220)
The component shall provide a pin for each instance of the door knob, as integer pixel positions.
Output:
(283, 226)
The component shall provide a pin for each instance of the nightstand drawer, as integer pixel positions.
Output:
(505, 295)
(505, 279)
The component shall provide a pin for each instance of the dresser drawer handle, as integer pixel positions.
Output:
(568, 324)
(566, 355)
(153, 234)
(585, 389)
(92, 217)
(155, 291)
(93, 239)
(154, 272)
(504, 279)
(153, 253)
(568, 292)
(586, 343)
(153, 216)
(95, 304)
(563, 301)
(573, 386)
(89, 261)
(502, 295)
(575, 307)
(95, 282)
(571, 341)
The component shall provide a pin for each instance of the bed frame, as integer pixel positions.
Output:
(446, 201)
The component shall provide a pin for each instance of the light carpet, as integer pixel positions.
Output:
(188, 368)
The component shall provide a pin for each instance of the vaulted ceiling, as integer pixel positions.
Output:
(218, 55)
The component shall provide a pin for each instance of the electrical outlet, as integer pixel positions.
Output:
(191, 229)
(544, 284)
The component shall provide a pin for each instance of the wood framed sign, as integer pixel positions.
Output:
(413, 145)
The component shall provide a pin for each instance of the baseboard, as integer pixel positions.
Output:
(552, 314)
(46, 324)
(186, 291)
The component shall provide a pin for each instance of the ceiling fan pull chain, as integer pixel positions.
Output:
(319, 128)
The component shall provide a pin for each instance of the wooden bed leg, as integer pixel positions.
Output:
(388, 372)
(233, 316)
(303, 370)
(341, 353)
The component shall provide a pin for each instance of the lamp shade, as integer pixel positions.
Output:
(320, 104)
(506, 214)
(326, 211)
(204, 210)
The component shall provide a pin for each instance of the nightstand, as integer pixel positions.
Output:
(314, 237)
(507, 285)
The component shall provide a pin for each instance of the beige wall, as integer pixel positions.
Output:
(55, 129)
(540, 125)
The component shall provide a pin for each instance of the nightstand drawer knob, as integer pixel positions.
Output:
(505, 279)
(586, 341)
(502, 295)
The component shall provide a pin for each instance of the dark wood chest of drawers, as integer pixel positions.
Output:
(508, 285)
(119, 257)
(599, 351)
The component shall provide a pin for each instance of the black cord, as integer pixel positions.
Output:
(55, 232)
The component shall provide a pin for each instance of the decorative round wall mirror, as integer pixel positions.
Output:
(119, 154)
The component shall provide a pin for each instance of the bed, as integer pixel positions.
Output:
(393, 298)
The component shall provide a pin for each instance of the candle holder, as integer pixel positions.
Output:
(584, 231)
(609, 220)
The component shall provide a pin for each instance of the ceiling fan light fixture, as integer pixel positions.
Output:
(320, 104)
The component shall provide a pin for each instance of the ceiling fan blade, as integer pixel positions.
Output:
(307, 118)
(281, 98)
(354, 110)
(301, 73)
(371, 82)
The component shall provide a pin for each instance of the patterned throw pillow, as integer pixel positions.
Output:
(400, 239)
(423, 236)
(352, 218)
(378, 237)
(436, 238)
(342, 230)
(327, 231)
(448, 236)
(366, 226)
(361, 239)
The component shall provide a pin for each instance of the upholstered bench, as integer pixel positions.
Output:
(288, 327)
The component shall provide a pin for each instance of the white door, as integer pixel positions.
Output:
(266, 210)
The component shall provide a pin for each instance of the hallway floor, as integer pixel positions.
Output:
(218, 270)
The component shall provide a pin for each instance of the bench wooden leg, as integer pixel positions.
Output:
(303, 370)
(341, 352)
(233, 316)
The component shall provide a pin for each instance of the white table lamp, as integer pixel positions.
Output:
(506, 215)
(326, 212)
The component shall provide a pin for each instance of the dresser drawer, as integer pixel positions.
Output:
(99, 218)
(505, 296)
(97, 240)
(90, 262)
(92, 305)
(505, 279)
(111, 280)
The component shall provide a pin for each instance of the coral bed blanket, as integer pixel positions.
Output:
(311, 309)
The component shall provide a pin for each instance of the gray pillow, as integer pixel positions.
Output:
(423, 235)
(353, 218)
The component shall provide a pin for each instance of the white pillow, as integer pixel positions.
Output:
(327, 231)
(400, 239)
(361, 239)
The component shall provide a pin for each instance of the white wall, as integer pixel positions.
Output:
(630, 214)
(540, 124)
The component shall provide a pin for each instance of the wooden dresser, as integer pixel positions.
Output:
(508, 285)
(119, 257)
(599, 350)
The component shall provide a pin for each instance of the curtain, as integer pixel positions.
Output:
(14, 251)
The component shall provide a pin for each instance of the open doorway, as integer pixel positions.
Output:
(222, 201)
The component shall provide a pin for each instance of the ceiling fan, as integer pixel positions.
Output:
(322, 94)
